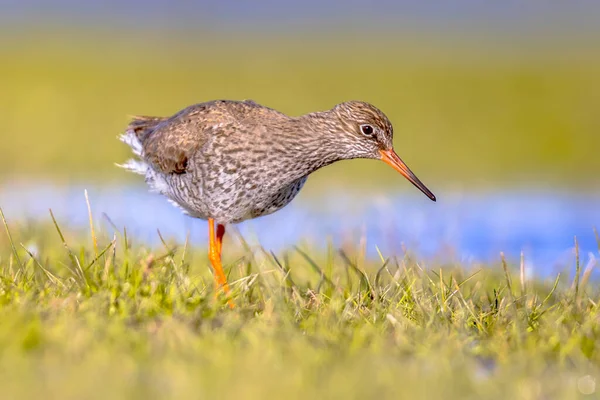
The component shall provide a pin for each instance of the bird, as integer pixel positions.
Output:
(226, 161)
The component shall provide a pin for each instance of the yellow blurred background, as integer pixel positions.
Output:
(470, 110)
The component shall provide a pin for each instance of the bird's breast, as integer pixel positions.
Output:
(239, 185)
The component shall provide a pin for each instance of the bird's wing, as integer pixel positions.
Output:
(169, 144)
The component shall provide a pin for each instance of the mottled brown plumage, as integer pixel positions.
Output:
(227, 161)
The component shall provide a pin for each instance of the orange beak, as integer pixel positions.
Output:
(391, 158)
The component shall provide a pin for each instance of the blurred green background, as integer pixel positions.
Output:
(469, 110)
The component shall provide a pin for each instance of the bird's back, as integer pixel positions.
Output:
(168, 143)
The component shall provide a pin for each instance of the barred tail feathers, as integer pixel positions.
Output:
(136, 132)
(135, 166)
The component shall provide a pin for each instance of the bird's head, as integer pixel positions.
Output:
(368, 133)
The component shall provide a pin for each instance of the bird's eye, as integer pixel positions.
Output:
(367, 130)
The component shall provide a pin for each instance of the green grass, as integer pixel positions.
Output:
(463, 115)
(96, 316)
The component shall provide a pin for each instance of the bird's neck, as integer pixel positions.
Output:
(314, 145)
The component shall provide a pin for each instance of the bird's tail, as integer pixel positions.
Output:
(135, 134)
(141, 126)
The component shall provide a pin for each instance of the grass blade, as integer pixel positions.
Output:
(51, 277)
(92, 231)
(99, 255)
(362, 276)
(78, 271)
(315, 267)
(10, 240)
(522, 273)
(577, 271)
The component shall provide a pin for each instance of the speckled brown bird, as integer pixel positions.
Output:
(228, 161)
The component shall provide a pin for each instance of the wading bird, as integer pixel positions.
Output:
(228, 161)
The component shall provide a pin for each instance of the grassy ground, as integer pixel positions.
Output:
(103, 317)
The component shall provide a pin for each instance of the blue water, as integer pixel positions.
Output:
(464, 227)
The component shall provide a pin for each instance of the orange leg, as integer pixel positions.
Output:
(215, 244)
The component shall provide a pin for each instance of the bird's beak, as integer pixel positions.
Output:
(391, 158)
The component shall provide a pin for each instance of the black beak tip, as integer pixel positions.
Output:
(432, 197)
